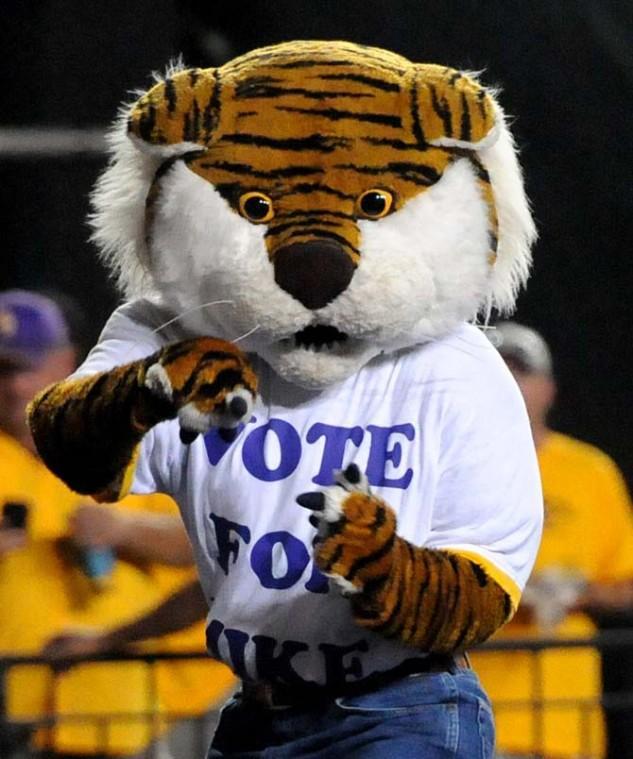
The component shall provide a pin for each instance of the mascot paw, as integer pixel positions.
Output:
(209, 383)
(355, 531)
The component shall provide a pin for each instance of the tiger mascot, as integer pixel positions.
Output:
(304, 237)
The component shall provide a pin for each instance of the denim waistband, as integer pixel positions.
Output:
(278, 695)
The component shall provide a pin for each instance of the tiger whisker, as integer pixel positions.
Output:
(190, 311)
(198, 308)
(246, 334)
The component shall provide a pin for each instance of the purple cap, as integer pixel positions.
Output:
(30, 325)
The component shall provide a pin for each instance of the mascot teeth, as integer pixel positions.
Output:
(318, 336)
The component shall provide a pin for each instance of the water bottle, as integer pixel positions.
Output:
(98, 565)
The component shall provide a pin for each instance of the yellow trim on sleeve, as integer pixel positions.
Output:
(492, 570)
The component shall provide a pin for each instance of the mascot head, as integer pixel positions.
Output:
(338, 200)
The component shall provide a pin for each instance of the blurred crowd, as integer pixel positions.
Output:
(70, 567)
(548, 704)
(79, 579)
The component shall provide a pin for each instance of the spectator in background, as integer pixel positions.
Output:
(584, 567)
(49, 541)
(186, 606)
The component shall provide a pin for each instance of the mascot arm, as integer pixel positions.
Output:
(87, 429)
(435, 600)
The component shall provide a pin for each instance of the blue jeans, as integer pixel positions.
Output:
(434, 716)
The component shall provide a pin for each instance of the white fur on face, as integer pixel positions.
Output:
(201, 251)
(422, 270)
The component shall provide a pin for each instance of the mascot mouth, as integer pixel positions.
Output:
(317, 336)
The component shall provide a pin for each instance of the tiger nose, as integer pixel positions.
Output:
(313, 272)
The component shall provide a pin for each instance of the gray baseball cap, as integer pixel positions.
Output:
(522, 346)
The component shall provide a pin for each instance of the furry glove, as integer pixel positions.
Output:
(87, 429)
(434, 600)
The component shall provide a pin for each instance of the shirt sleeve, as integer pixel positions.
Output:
(616, 522)
(126, 337)
(489, 502)
(129, 335)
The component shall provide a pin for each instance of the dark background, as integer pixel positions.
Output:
(566, 70)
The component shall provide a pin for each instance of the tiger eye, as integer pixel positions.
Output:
(374, 204)
(256, 207)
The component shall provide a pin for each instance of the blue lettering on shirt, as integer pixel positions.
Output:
(387, 451)
(274, 659)
(384, 450)
(227, 546)
(262, 558)
(336, 439)
(253, 452)
(297, 559)
(279, 560)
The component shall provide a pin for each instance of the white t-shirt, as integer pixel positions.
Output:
(442, 433)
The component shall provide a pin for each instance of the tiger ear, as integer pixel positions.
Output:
(452, 110)
(182, 108)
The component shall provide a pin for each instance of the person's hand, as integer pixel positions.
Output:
(73, 646)
(11, 540)
(95, 526)
(552, 594)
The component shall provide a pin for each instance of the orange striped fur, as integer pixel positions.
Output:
(433, 600)
(87, 430)
(313, 125)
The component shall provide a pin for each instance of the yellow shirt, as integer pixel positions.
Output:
(187, 688)
(43, 591)
(588, 531)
